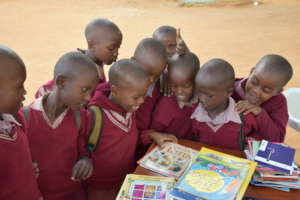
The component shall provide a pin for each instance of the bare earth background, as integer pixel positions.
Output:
(41, 31)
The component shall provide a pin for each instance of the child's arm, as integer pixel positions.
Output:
(181, 47)
(271, 125)
(82, 169)
(161, 138)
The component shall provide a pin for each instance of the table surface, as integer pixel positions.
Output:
(252, 191)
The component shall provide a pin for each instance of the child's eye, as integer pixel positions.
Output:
(267, 90)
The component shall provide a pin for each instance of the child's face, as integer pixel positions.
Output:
(77, 91)
(106, 51)
(169, 41)
(261, 86)
(130, 97)
(12, 90)
(212, 98)
(154, 69)
(181, 85)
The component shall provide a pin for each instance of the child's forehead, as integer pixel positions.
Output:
(267, 78)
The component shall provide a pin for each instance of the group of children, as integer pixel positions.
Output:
(159, 95)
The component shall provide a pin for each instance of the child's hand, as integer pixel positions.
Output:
(161, 138)
(165, 87)
(245, 107)
(83, 169)
(36, 168)
(181, 47)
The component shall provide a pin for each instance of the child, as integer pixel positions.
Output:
(104, 39)
(172, 114)
(56, 128)
(17, 180)
(171, 39)
(260, 94)
(151, 55)
(215, 121)
(115, 155)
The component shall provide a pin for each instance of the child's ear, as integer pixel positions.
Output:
(60, 81)
(91, 45)
(230, 91)
(113, 89)
(252, 70)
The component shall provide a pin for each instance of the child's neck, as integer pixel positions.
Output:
(90, 55)
(53, 106)
(110, 97)
(221, 108)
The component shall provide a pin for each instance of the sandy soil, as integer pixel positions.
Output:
(41, 31)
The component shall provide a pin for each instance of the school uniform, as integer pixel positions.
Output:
(272, 120)
(171, 117)
(224, 130)
(114, 156)
(56, 148)
(17, 177)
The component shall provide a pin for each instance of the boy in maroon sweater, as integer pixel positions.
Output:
(56, 139)
(215, 120)
(115, 155)
(260, 94)
(17, 178)
(172, 114)
(104, 39)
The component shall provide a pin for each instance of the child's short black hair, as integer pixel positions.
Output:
(126, 71)
(219, 73)
(276, 64)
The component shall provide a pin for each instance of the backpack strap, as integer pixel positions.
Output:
(241, 135)
(26, 112)
(77, 119)
(96, 128)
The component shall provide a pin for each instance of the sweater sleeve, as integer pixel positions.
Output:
(272, 120)
(160, 119)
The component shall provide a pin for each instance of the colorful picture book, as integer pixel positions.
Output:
(140, 187)
(209, 178)
(268, 175)
(276, 156)
(236, 161)
(169, 160)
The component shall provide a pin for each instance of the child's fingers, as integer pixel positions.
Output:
(178, 35)
(89, 172)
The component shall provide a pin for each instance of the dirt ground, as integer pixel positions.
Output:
(41, 31)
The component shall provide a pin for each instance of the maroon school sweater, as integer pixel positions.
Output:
(227, 136)
(17, 178)
(56, 150)
(145, 111)
(114, 156)
(168, 117)
(272, 120)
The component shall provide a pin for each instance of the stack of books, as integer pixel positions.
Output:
(192, 175)
(276, 167)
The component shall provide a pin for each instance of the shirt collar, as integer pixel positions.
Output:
(38, 105)
(8, 118)
(229, 114)
(150, 90)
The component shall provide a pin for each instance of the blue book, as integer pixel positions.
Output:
(275, 156)
(176, 194)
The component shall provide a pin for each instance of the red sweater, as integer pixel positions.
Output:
(168, 117)
(272, 120)
(226, 136)
(17, 178)
(56, 151)
(145, 111)
(114, 156)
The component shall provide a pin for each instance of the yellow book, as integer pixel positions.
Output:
(239, 162)
(145, 187)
